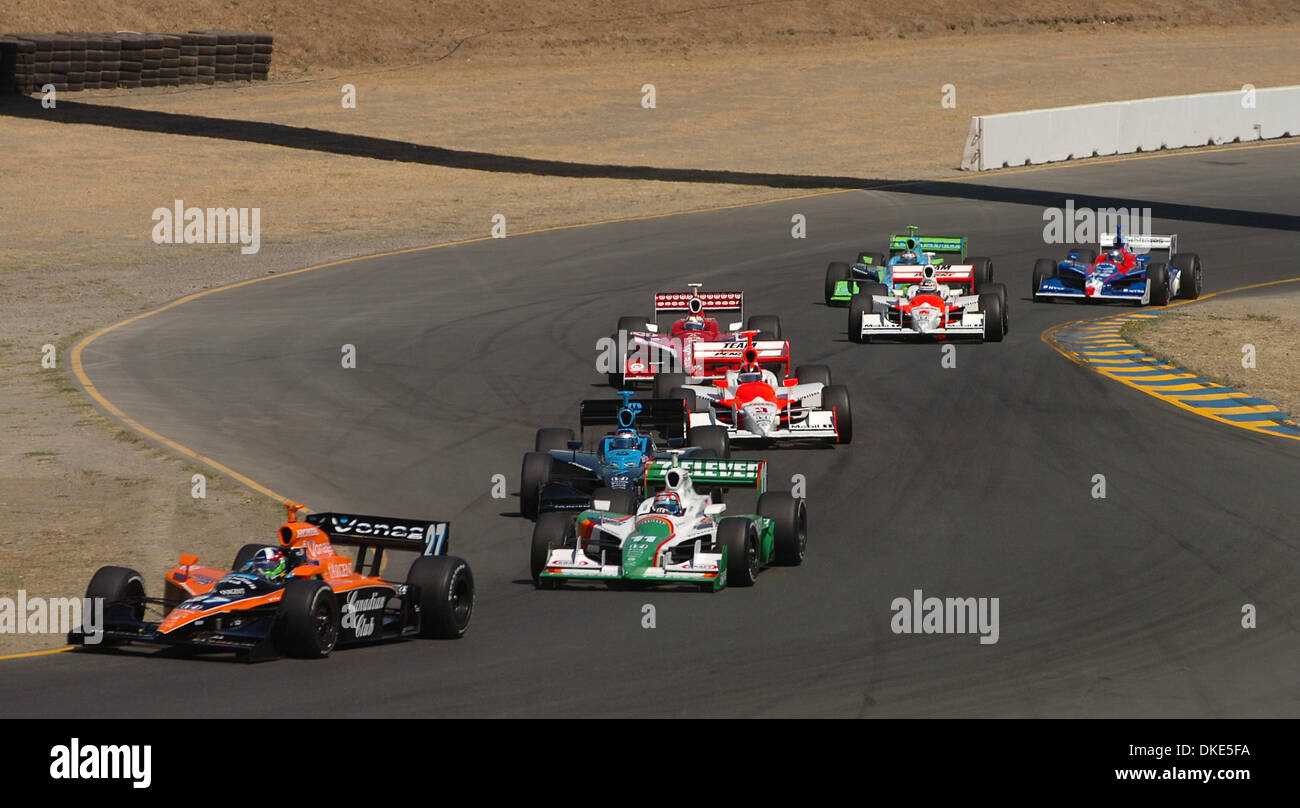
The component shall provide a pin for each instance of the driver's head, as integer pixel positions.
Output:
(693, 323)
(668, 503)
(625, 439)
(1115, 256)
(268, 562)
(750, 372)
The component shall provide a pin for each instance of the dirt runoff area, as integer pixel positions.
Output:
(1222, 338)
(848, 99)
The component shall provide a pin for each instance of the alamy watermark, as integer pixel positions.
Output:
(922, 615)
(37, 615)
(182, 225)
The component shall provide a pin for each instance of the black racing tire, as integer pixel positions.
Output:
(630, 323)
(813, 374)
(859, 305)
(836, 397)
(308, 625)
(991, 306)
(1044, 269)
(710, 437)
(769, 326)
(552, 531)
(701, 454)
(1158, 280)
(1001, 290)
(738, 535)
(982, 268)
(1087, 255)
(877, 259)
(246, 554)
(665, 383)
(621, 501)
(1189, 274)
(552, 437)
(686, 395)
(122, 592)
(446, 595)
(836, 271)
(789, 517)
(536, 472)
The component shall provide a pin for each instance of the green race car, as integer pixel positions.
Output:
(843, 279)
(678, 535)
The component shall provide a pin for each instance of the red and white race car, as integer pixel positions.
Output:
(753, 403)
(929, 302)
(696, 347)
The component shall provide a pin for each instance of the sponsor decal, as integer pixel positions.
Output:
(347, 525)
(354, 613)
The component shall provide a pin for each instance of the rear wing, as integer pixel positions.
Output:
(724, 472)
(950, 248)
(1142, 243)
(718, 356)
(961, 274)
(385, 532)
(708, 302)
(668, 416)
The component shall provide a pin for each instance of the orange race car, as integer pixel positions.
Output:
(299, 597)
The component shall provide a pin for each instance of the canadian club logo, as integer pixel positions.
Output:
(354, 613)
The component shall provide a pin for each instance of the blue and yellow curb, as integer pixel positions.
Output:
(1100, 346)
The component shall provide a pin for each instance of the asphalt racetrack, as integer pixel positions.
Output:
(968, 481)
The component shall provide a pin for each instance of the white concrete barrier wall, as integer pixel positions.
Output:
(1123, 127)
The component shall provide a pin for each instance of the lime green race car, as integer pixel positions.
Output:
(843, 279)
(677, 535)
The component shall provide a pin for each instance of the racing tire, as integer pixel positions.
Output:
(631, 323)
(551, 532)
(687, 396)
(768, 326)
(789, 517)
(1001, 290)
(1087, 255)
(710, 437)
(982, 269)
(1158, 280)
(877, 259)
(552, 437)
(665, 383)
(122, 591)
(1189, 275)
(246, 554)
(536, 472)
(738, 535)
(813, 374)
(991, 306)
(859, 305)
(836, 397)
(308, 625)
(620, 501)
(1044, 269)
(446, 595)
(836, 271)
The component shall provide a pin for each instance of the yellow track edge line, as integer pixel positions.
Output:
(29, 654)
(1049, 337)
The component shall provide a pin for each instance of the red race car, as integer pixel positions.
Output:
(697, 347)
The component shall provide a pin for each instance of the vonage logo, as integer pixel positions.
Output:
(95, 762)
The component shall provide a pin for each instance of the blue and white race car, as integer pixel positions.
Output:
(1126, 270)
(560, 475)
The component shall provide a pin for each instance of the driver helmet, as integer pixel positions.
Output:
(1115, 256)
(693, 323)
(268, 562)
(929, 279)
(625, 439)
(749, 372)
(667, 502)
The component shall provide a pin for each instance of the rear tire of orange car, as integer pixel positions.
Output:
(446, 595)
(309, 619)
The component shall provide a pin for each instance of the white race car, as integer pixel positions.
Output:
(753, 404)
(937, 304)
(677, 535)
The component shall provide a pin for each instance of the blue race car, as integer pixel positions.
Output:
(1119, 273)
(559, 476)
